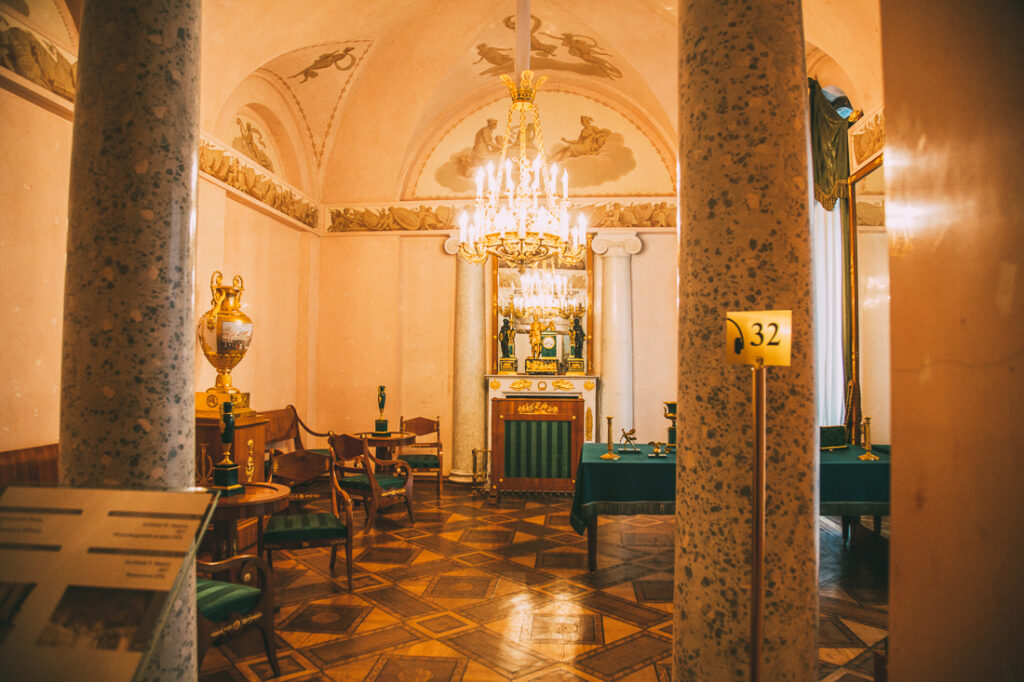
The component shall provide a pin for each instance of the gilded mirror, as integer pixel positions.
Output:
(522, 328)
(869, 305)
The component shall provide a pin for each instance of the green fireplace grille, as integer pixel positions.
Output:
(537, 449)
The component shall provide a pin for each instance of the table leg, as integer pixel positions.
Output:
(225, 539)
(592, 544)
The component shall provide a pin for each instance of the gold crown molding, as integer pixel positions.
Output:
(442, 217)
(250, 179)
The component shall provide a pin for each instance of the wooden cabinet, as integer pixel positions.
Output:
(536, 443)
(246, 451)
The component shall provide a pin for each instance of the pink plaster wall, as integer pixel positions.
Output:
(654, 333)
(386, 318)
(273, 258)
(34, 166)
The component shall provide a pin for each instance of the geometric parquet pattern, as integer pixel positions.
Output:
(483, 591)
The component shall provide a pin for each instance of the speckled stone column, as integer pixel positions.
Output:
(469, 410)
(744, 245)
(127, 402)
(616, 250)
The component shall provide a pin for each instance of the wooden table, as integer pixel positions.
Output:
(386, 444)
(633, 484)
(259, 499)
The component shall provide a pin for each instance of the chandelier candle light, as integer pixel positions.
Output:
(543, 293)
(520, 216)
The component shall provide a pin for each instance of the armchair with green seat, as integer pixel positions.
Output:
(225, 607)
(288, 530)
(377, 483)
(424, 456)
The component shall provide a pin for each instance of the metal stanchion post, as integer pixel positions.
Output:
(759, 373)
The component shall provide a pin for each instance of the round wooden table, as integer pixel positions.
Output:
(259, 499)
(386, 444)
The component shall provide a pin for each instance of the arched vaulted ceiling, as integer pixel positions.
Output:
(394, 77)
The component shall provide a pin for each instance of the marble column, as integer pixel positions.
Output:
(127, 401)
(469, 409)
(744, 201)
(616, 400)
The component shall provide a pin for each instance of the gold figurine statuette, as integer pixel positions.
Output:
(611, 450)
(630, 439)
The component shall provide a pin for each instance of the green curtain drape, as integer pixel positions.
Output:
(830, 150)
(830, 157)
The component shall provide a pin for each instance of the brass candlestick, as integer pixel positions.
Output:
(868, 456)
(670, 415)
(611, 450)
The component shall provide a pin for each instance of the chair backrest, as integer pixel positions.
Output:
(421, 426)
(283, 425)
(350, 455)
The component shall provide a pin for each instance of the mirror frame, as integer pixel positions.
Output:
(854, 310)
(588, 319)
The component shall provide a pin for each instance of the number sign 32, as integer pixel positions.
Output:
(761, 334)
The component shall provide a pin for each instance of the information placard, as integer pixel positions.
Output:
(85, 576)
(764, 335)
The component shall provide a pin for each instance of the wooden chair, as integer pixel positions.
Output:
(424, 456)
(227, 607)
(362, 475)
(294, 464)
(300, 530)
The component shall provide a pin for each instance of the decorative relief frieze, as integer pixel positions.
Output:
(36, 59)
(659, 214)
(536, 407)
(241, 175)
(443, 217)
(391, 218)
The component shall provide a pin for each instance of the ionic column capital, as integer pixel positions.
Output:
(451, 245)
(617, 244)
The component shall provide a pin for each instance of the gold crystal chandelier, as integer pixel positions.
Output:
(520, 216)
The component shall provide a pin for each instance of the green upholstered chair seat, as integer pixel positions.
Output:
(420, 461)
(361, 482)
(303, 527)
(323, 452)
(216, 600)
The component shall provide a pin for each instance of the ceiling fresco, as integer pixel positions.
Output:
(49, 18)
(316, 79)
(394, 106)
(549, 51)
(604, 153)
(254, 143)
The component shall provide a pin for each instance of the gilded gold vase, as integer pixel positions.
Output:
(225, 331)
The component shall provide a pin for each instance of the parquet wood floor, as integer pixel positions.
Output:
(483, 591)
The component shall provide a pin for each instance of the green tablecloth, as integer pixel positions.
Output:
(633, 484)
(852, 486)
